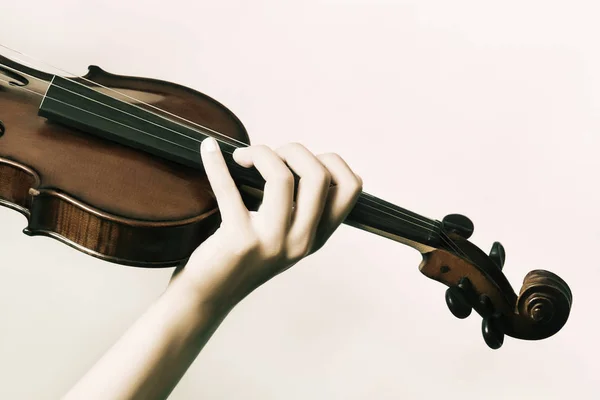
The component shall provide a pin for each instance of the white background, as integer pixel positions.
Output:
(485, 108)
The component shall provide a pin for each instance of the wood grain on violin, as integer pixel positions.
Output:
(110, 165)
(109, 200)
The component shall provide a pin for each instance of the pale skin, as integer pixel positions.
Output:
(247, 250)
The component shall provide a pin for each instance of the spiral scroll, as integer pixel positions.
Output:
(543, 305)
(475, 282)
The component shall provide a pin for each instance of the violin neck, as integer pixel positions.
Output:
(389, 220)
(81, 107)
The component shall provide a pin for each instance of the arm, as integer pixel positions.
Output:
(151, 357)
(246, 251)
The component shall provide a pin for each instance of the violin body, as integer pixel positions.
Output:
(108, 200)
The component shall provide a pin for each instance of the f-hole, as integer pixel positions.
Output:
(20, 80)
(2, 128)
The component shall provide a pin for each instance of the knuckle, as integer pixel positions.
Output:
(296, 146)
(273, 250)
(290, 147)
(272, 247)
(351, 186)
(301, 249)
(262, 148)
(331, 157)
(322, 177)
(358, 184)
(283, 176)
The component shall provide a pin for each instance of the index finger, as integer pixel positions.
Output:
(228, 196)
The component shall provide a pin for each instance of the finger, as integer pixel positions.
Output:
(311, 193)
(346, 189)
(228, 197)
(278, 196)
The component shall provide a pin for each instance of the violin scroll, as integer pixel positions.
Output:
(544, 303)
(475, 282)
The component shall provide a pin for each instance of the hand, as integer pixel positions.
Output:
(249, 248)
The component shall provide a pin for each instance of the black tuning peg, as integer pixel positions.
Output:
(492, 333)
(498, 255)
(459, 224)
(486, 308)
(457, 299)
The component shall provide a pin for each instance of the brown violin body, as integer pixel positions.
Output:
(106, 199)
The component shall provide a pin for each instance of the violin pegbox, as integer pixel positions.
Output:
(476, 282)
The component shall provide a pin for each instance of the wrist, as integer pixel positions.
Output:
(200, 303)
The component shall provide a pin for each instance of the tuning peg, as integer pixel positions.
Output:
(498, 255)
(457, 301)
(459, 224)
(486, 308)
(492, 333)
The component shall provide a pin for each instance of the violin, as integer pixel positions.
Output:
(110, 165)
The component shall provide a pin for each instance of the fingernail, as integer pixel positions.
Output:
(210, 144)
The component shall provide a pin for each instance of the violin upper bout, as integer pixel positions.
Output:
(171, 100)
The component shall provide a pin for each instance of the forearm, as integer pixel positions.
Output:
(153, 355)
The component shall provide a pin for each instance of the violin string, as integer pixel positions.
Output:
(114, 108)
(366, 196)
(190, 149)
(108, 119)
(124, 95)
(443, 236)
(373, 198)
(122, 111)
